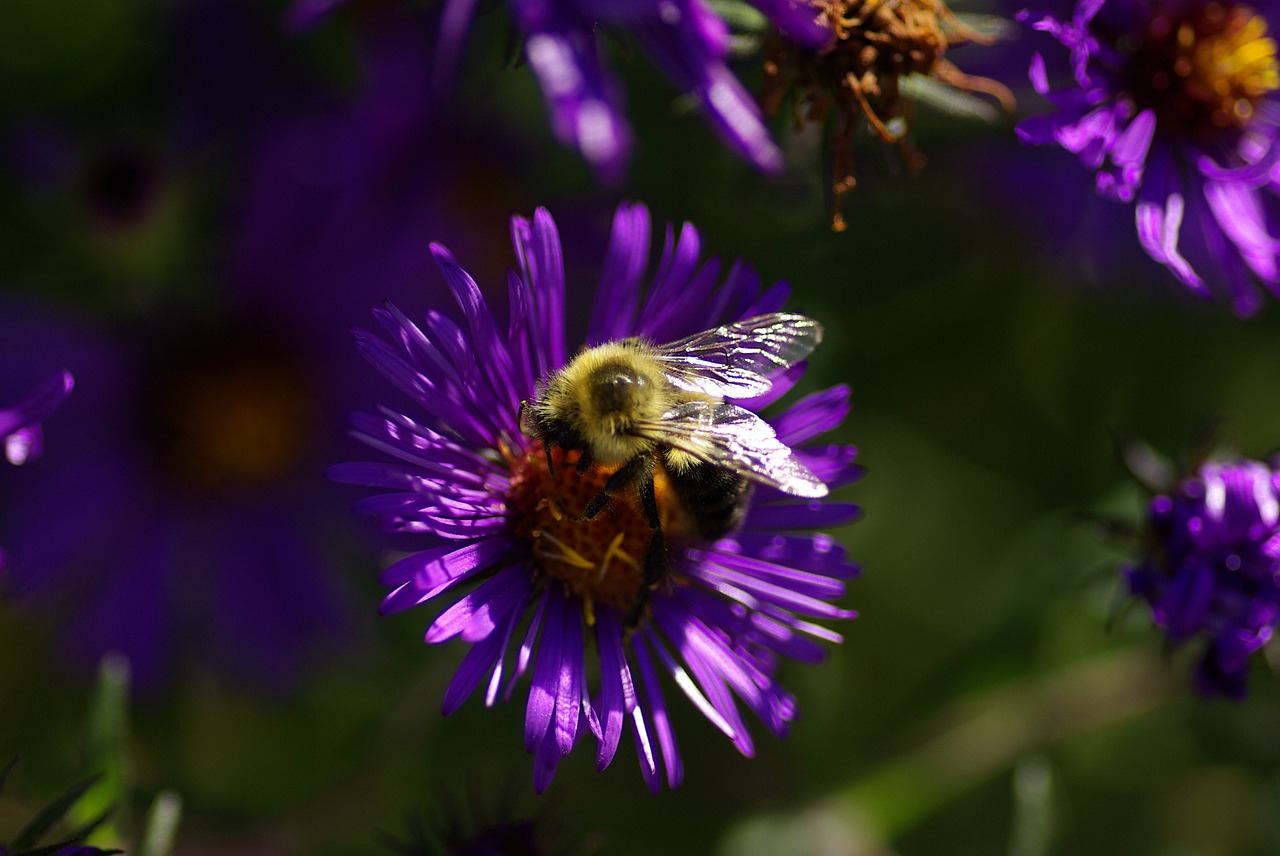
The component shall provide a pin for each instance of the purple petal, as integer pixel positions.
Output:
(546, 676)
(624, 264)
(569, 693)
(483, 655)
(812, 415)
(657, 708)
(476, 615)
(615, 684)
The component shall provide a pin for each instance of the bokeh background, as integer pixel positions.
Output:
(196, 204)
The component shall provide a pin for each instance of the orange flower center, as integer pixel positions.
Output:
(1205, 71)
(226, 419)
(601, 561)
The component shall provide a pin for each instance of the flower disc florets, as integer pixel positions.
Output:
(1175, 106)
(1212, 570)
(1203, 69)
(878, 43)
(507, 527)
(598, 560)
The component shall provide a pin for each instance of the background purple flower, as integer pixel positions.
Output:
(472, 486)
(1174, 107)
(187, 518)
(1212, 572)
(685, 39)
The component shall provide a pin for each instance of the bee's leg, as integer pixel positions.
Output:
(639, 467)
(655, 560)
(584, 462)
(546, 450)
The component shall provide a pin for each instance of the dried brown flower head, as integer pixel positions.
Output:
(877, 44)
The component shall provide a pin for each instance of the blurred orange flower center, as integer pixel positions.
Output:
(600, 561)
(1206, 70)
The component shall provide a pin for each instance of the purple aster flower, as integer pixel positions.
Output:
(542, 585)
(1212, 569)
(1175, 106)
(686, 39)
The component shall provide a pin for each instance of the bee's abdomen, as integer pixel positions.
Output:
(716, 498)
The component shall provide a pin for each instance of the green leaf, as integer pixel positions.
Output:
(106, 750)
(51, 814)
(4, 774)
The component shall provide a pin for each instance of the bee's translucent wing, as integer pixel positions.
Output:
(737, 360)
(736, 439)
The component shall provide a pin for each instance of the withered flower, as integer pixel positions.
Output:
(859, 75)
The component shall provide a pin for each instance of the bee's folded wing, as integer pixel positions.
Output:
(736, 439)
(737, 360)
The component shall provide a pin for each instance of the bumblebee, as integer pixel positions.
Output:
(636, 405)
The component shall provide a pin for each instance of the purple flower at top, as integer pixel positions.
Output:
(543, 588)
(1175, 107)
(686, 39)
(1212, 569)
(20, 424)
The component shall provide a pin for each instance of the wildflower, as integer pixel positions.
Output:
(1212, 567)
(686, 39)
(1174, 106)
(859, 76)
(483, 500)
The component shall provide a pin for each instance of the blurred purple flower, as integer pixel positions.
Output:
(192, 519)
(173, 514)
(1212, 569)
(1174, 105)
(475, 491)
(686, 39)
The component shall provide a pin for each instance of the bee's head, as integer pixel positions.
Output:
(618, 391)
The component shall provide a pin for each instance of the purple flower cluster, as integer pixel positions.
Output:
(1175, 107)
(468, 483)
(1213, 567)
(685, 39)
